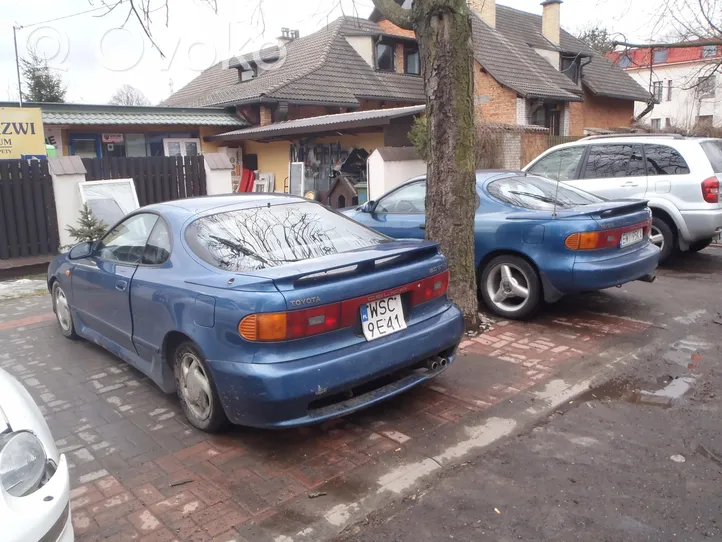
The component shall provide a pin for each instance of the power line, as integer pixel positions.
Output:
(62, 17)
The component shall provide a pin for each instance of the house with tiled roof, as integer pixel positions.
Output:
(683, 81)
(527, 71)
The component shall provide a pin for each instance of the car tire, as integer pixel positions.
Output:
(197, 390)
(510, 287)
(700, 245)
(662, 236)
(63, 315)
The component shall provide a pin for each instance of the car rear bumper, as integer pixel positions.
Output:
(702, 225)
(601, 273)
(310, 390)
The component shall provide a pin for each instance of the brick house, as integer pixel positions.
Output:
(527, 72)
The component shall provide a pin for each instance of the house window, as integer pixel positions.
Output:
(706, 86)
(181, 147)
(412, 61)
(709, 51)
(570, 68)
(667, 122)
(660, 56)
(385, 57)
(625, 61)
(705, 120)
(669, 90)
(657, 88)
(656, 124)
(247, 75)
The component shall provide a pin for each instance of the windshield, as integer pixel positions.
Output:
(244, 240)
(539, 194)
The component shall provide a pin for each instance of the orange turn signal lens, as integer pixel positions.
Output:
(263, 327)
(582, 241)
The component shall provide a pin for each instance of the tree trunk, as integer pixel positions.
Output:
(443, 29)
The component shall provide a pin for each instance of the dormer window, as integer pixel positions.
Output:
(247, 75)
(570, 67)
(385, 57)
(412, 61)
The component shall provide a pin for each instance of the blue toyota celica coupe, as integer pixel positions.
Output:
(262, 310)
(535, 239)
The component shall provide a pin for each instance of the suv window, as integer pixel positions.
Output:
(407, 199)
(609, 161)
(713, 150)
(559, 165)
(126, 242)
(539, 194)
(242, 240)
(663, 160)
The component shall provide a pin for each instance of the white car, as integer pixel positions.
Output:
(34, 480)
(679, 176)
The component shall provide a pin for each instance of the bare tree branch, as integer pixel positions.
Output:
(395, 13)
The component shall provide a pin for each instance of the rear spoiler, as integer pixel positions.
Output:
(603, 210)
(357, 261)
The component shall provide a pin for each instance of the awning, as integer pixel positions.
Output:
(322, 124)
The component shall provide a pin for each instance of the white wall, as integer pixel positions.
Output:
(686, 104)
(551, 56)
(385, 176)
(364, 46)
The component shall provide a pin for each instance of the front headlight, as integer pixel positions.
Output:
(22, 463)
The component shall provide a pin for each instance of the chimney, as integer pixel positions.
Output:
(551, 22)
(486, 9)
(287, 36)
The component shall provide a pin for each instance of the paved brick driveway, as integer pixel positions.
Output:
(139, 472)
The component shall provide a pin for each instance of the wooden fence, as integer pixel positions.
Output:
(28, 222)
(157, 179)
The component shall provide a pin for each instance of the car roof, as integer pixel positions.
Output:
(658, 139)
(204, 204)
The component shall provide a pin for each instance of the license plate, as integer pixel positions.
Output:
(631, 237)
(382, 317)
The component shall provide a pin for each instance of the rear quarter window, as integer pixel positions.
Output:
(243, 240)
(713, 150)
(664, 160)
(538, 194)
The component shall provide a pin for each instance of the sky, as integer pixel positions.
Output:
(96, 52)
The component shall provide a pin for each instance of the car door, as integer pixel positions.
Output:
(151, 297)
(401, 213)
(101, 282)
(613, 171)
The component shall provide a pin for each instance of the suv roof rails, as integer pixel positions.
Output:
(612, 136)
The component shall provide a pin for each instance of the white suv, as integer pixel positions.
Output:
(679, 176)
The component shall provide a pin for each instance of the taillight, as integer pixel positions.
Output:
(283, 326)
(710, 190)
(594, 240)
(430, 288)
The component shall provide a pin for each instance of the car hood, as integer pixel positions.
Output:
(18, 412)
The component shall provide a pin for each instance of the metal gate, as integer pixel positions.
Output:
(28, 222)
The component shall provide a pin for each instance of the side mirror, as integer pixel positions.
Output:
(368, 207)
(83, 250)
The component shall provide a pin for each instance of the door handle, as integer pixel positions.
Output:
(422, 227)
(121, 285)
(630, 184)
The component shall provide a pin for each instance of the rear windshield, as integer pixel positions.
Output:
(713, 150)
(539, 194)
(243, 240)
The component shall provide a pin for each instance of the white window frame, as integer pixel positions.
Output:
(117, 182)
(260, 183)
(182, 141)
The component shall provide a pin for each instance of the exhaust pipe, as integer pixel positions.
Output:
(649, 278)
(432, 365)
(443, 362)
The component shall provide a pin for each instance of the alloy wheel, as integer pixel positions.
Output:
(195, 386)
(656, 237)
(62, 309)
(508, 287)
